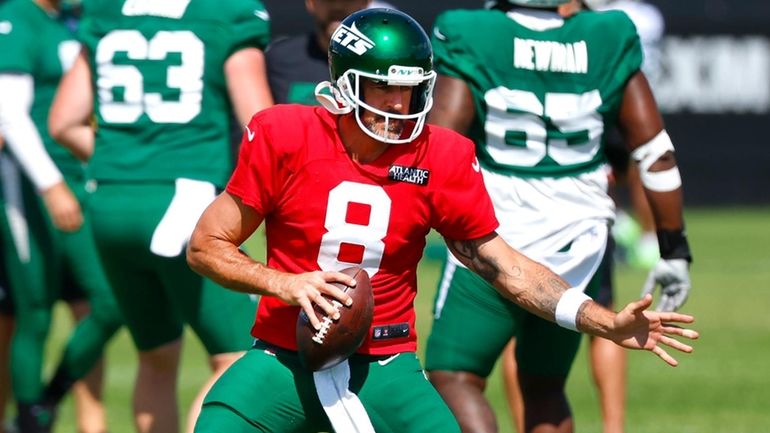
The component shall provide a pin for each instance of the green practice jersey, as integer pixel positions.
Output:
(162, 107)
(543, 97)
(38, 44)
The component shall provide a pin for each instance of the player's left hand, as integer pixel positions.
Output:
(636, 328)
(673, 275)
(63, 207)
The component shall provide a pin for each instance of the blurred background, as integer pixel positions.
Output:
(714, 90)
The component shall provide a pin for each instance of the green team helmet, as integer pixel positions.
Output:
(382, 45)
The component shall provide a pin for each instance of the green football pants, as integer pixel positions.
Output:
(158, 294)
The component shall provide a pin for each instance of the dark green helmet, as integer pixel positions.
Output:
(372, 40)
(383, 45)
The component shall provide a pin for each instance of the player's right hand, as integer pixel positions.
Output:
(308, 288)
(63, 207)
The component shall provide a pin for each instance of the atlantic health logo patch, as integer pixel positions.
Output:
(415, 175)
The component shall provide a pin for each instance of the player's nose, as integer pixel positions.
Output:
(396, 97)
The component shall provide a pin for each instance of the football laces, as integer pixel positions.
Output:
(326, 323)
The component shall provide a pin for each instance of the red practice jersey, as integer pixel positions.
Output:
(323, 211)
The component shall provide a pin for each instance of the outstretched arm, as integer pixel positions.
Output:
(541, 292)
(643, 131)
(214, 252)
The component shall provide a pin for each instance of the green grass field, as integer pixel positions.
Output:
(723, 387)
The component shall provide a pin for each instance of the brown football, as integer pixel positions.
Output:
(337, 339)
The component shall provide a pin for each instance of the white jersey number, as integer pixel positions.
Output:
(520, 112)
(340, 231)
(187, 77)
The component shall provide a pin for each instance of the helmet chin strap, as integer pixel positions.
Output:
(334, 102)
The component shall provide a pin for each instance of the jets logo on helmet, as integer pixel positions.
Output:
(384, 46)
(352, 39)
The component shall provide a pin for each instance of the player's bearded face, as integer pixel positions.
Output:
(391, 100)
(390, 128)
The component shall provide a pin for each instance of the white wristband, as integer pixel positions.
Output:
(568, 306)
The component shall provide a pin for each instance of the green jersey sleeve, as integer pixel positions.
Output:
(630, 53)
(449, 53)
(251, 26)
(16, 41)
(85, 25)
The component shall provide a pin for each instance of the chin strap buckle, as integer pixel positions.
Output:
(333, 100)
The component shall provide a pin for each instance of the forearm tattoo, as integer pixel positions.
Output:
(534, 287)
(525, 282)
(549, 290)
(583, 320)
(486, 267)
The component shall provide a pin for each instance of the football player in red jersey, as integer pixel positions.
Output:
(361, 181)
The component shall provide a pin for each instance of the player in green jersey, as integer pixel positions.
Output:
(536, 97)
(159, 78)
(48, 242)
(608, 362)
